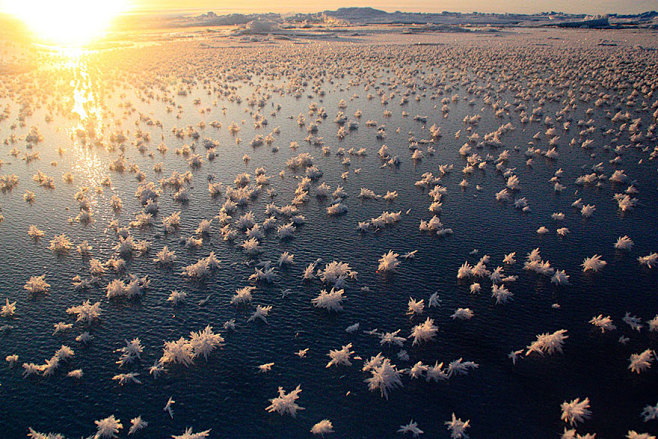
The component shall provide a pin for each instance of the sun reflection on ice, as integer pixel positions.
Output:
(86, 113)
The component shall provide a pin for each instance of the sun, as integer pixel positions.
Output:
(71, 23)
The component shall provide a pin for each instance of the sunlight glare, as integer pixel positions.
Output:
(67, 22)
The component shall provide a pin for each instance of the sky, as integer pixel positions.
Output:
(286, 6)
(500, 6)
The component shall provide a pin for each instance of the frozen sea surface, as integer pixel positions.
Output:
(80, 102)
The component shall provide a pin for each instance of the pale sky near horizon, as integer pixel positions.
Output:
(498, 6)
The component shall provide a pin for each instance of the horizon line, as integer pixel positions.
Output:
(246, 11)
